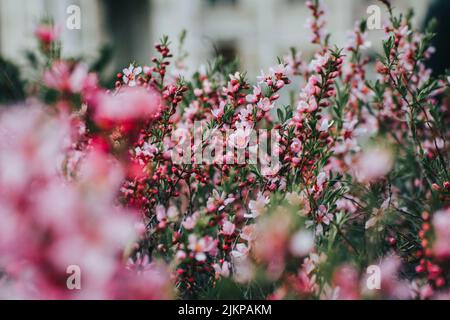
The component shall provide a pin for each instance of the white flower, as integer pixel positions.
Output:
(253, 98)
(324, 125)
(240, 138)
(162, 214)
(311, 262)
(219, 199)
(235, 77)
(240, 252)
(323, 217)
(219, 111)
(263, 77)
(258, 206)
(265, 104)
(280, 69)
(201, 246)
(321, 179)
(270, 169)
(131, 73)
(302, 243)
(377, 214)
(246, 113)
(223, 270)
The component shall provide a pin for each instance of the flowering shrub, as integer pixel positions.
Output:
(210, 187)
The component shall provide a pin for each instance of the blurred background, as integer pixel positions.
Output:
(256, 31)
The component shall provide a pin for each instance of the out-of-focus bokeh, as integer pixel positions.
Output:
(256, 31)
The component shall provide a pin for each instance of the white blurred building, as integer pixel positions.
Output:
(19, 17)
(257, 31)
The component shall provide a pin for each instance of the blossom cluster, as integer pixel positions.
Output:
(88, 177)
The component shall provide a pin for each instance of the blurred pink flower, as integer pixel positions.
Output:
(48, 224)
(258, 206)
(441, 224)
(127, 106)
(69, 78)
(47, 33)
(374, 164)
(152, 284)
(346, 282)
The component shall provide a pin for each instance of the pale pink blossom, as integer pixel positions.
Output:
(258, 206)
(201, 247)
(131, 74)
(222, 270)
(228, 228)
(374, 164)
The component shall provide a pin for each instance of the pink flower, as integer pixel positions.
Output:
(307, 106)
(258, 206)
(219, 111)
(246, 114)
(323, 217)
(240, 138)
(59, 224)
(248, 233)
(201, 247)
(264, 78)
(127, 106)
(265, 104)
(296, 145)
(47, 33)
(319, 62)
(190, 222)
(272, 242)
(392, 285)
(346, 281)
(152, 284)
(255, 96)
(278, 71)
(228, 228)
(374, 164)
(350, 131)
(180, 255)
(67, 78)
(170, 214)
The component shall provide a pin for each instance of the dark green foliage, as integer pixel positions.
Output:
(11, 85)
